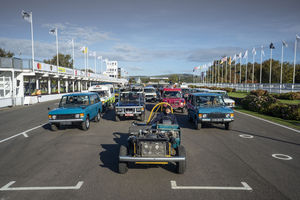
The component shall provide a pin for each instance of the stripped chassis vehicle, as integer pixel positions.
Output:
(153, 144)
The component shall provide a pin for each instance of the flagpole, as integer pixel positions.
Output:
(260, 72)
(246, 72)
(32, 42)
(240, 69)
(230, 71)
(253, 68)
(281, 68)
(73, 52)
(95, 63)
(87, 60)
(270, 79)
(56, 34)
(235, 71)
(295, 54)
(226, 74)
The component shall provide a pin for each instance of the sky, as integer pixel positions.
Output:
(151, 37)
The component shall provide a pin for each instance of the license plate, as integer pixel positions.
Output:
(66, 123)
(217, 120)
(128, 114)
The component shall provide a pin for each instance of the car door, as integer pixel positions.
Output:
(92, 107)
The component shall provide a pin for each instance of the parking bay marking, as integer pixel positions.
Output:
(175, 187)
(24, 133)
(8, 188)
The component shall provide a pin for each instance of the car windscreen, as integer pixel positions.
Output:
(130, 97)
(149, 90)
(209, 101)
(185, 90)
(74, 101)
(103, 93)
(172, 94)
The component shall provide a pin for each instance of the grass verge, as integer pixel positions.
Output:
(290, 123)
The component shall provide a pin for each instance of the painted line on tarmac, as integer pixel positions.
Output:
(175, 187)
(8, 188)
(246, 136)
(297, 131)
(282, 156)
(24, 133)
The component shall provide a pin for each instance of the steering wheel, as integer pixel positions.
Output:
(157, 107)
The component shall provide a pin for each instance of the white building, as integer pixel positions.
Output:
(111, 69)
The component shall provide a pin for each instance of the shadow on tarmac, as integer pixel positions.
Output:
(264, 137)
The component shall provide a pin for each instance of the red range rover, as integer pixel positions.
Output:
(174, 97)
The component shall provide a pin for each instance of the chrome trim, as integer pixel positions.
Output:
(150, 159)
(65, 120)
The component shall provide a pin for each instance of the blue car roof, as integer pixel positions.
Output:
(206, 94)
(80, 94)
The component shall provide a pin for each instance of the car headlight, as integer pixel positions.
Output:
(119, 110)
(77, 116)
(53, 116)
(204, 115)
(227, 115)
(81, 115)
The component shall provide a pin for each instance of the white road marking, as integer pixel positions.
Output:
(24, 133)
(8, 188)
(246, 136)
(282, 156)
(175, 187)
(292, 129)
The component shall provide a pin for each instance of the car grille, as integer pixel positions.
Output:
(216, 115)
(156, 149)
(67, 116)
(129, 109)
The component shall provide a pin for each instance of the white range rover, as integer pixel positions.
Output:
(229, 102)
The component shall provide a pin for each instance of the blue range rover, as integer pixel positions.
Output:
(207, 108)
(76, 109)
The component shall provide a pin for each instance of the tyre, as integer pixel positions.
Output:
(86, 124)
(197, 124)
(98, 117)
(142, 117)
(181, 165)
(123, 166)
(117, 118)
(190, 119)
(53, 127)
(228, 126)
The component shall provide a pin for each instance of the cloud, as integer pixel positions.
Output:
(83, 34)
(209, 54)
(135, 68)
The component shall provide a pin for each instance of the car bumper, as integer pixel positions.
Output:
(150, 159)
(65, 120)
(216, 120)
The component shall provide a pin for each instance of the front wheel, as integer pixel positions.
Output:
(98, 117)
(228, 126)
(181, 165)
(86, 124)
(142, 117)
(123, 166)
(197, 124)
(117, 118)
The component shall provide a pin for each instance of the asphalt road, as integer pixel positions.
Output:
(216, 157)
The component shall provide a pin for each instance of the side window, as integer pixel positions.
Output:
(96, 98)
(193, 100)
(92, 99)
(111, 90)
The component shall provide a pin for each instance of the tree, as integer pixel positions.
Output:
(6, 54)
(64, 60)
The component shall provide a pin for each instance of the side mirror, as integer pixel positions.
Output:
(49, 108)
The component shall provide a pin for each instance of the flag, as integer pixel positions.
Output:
(99, 57)
(26, 16)
(253, 51)
(262, 51)
(83, 49)
(223, 59)
(272, 46)
(234, 57)
(229, 62)
(196, 68)
(53, 31)
(297, 37)
(284, 43)
(93, 53)
(246, 54)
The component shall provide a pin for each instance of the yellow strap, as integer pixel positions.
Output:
(159, 105)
